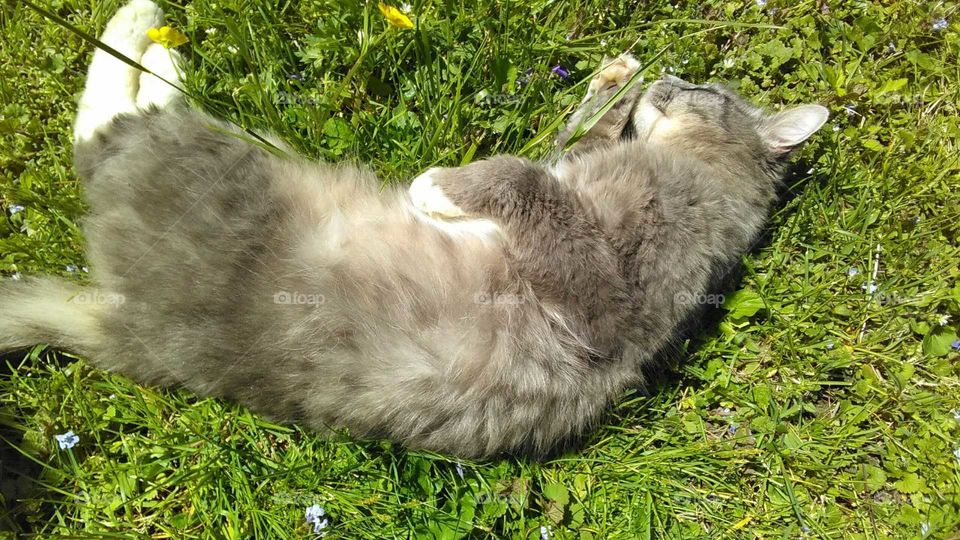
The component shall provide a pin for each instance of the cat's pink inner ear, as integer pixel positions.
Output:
(786, 130)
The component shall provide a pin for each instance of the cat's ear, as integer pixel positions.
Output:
(785, 130)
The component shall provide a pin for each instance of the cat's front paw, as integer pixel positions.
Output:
(429, 198)
(614, 74)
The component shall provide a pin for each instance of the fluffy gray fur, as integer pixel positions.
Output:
(308, 294)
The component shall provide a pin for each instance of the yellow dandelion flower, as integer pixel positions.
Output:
(395, 17)
(167, 36)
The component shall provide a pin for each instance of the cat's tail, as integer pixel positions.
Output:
(51, 311)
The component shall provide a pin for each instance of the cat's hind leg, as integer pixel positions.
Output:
(112, 85)
(166, 69)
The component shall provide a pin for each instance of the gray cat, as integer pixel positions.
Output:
(496, 307)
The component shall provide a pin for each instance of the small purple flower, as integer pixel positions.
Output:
(852, 271)
(546, 532)
(67, 440)
(71, 268)
(524, 79)
(955, 345)
(15, 209)
(314, 516)
(869, 287)
(836, 127)
(761, 4)
(850, 109)
(939, 24)
(459, 470)
(830, 345)
(732, 429)
(891, 48)
(296, 77)
(560, 71)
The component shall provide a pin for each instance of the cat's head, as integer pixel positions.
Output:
(714, 123)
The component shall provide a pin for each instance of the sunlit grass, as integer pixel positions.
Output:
(820, 414)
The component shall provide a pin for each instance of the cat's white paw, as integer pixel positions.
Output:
(127, 29)
(168, 64)
(112, 85)
(430, 199)
(616, 72)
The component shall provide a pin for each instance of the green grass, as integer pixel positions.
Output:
(843, 402)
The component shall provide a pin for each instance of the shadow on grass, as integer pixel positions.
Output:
(20, 476)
